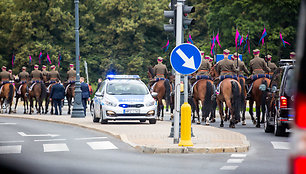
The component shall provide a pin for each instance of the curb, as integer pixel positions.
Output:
(151, 149)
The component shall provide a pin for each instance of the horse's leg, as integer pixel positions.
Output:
(31, 105)
(69, 103)
(219, 103)
(162, 111)
(258, 115)
(243, 113)
(193, 116)
(231, 115)
(17, 97)
(251, 102)
(24, 105)
(46, 104)
(213, 111)
(197, 110)
(158, 109)
(51, 107)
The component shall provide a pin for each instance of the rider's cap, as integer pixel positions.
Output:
(226, 51)
(211, 59)
(202, 53)
(256, 51)
(35, 66)
(53, 66)
(10, 70)
(71, 65)
(44, 66)
(235, 55)
(269, 56)
(24, 68)
(159, 59)
(207, 57)
(292, 54)
(3, 67)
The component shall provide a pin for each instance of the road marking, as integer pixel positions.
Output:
(229, 168)
(10, 149)
(90, 138)
(55, 147)
(8, 123)
(280, 145)
(238, 155)
(21, 141)
(102, 145)
(50, 140)
(235, 160)
(37, 135)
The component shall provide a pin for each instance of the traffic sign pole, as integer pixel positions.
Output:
(179, 32)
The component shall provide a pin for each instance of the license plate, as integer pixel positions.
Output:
(132, 111)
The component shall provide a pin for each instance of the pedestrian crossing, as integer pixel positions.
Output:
(57, 147)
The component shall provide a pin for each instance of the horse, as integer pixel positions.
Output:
(38, 92)
(163, 89)
(203, 91)
(69, 92)
(258, 95)
(230, 93)
(23, 94)
(6, 96)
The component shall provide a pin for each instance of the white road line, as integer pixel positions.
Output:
(10, 149)
(280, 145)
(37, 135)
(238, 155)
(90, 138)
(235, 160)
(229, 168)
(18, 141)
(102, 145)
(8, 123)
(55, 147)
(50, 140)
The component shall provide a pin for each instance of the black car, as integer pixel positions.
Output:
(280, 99)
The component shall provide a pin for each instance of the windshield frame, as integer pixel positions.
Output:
(127, 82)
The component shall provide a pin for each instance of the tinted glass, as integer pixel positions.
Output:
(126, 88)
(289, 88)
(102, 86)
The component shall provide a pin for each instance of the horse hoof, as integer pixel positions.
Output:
(193, 121)
(254, 122)
(207, 123)
(243, 123)
(162, 119)
(262, 121)
(221, 125)
(198, 122)
(258, 125)
(213, 120)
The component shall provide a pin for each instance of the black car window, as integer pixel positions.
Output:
(102, 87)
(289, 88)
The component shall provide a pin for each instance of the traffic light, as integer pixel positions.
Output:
(188, 21)
(172, 16)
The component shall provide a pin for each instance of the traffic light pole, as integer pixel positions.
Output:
(77, 110)
(179, 33)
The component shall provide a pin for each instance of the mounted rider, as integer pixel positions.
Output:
(45, 73)
(54, 76)
(23, 78)
(160, 71)
(271, 65)
(241, 66)
(203, 71)
(36, 76)
(71, 74)
(5, 77)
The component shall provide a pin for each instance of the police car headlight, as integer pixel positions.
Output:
(150, 103)
(110, 103)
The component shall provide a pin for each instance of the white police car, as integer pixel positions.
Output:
(123, 97)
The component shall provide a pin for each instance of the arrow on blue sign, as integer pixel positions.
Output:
(189, 62)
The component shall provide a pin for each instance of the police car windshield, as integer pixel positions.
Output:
(131, 87)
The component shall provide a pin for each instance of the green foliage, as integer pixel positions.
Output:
(126, 37)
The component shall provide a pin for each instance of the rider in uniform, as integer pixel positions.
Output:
(241, 66)
(225, 67)
(258, 65)
(203, 69)
(271, 65)
(5, 76)
(36, 76)
(159, 70)
(45, 73)
(23, 78)
(54, 75)
(292, 55)
(71, 74)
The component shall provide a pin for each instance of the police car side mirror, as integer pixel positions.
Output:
(99, 94)
(154, 94)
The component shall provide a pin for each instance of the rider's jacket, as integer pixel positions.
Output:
(71, 75)
(242, 68)
(36, 75)
(272, 66)
(226, 67)
(160, 70)
(23, 76)
(5, 76)
(46, 74)
(54, 75)
(258, 66)
(204, 68)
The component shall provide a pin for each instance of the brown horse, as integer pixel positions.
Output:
(241, 80)
(203, 91)
(259, 94)
(23, 94)
(70, 94)
(38, 93)
(230, 93)
(163, 90)
(6, 96)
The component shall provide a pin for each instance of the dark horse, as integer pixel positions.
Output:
(163, 90)
(230, 93)
(38, 93)
(259, 94)
(203, 91)
(6, 96)
(69, 92)
(23, 94)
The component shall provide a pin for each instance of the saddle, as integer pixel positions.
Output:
(203, 77)
(228, 76)
(67, 87)
(245, 77)
(159, 78)
(258, 76)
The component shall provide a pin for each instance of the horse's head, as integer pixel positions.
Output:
(150, 72)
(213, 71)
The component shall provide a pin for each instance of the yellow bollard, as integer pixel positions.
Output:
(186, 125)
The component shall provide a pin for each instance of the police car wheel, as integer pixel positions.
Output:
(152, 121)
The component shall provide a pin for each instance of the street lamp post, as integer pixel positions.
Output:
(78, 110)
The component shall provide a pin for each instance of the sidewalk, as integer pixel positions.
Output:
(154, 138)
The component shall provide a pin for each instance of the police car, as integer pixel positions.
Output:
(123, 97)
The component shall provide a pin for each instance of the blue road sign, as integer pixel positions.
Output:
(185, 58)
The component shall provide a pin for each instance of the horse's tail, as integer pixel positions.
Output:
(242, 93)
(207, 100)
(43, 91)
(11, 94)
(167, 91)
(264, 95)
(236, 100)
